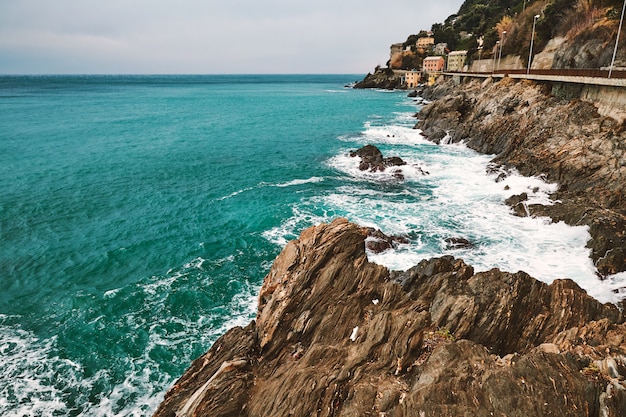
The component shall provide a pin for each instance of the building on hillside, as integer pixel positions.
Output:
(432, 78)
(425, 43)
(434, 64)
(412, 78)
(456, 60)
(441, 48)
(395, 55)
(395, 49)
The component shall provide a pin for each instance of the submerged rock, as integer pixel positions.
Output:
(336, 335)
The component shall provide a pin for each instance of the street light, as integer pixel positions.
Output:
(619, 30)
(532, 39)
(501, 45)
(524, 8)
(495, 53)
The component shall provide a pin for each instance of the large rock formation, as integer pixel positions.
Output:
(372, 159)
(336, 335)
(567, 141)
(384, 78)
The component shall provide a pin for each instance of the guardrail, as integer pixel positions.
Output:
(595, 73)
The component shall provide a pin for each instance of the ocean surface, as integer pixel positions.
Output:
(139, 215)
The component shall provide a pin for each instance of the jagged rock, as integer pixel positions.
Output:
(372, 159)
(336, 335)
(566, 141)
(378, 242)
(519, 204)
(458, 243)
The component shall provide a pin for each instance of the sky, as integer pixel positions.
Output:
(208, 36)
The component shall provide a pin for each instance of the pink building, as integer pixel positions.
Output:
(434, 64)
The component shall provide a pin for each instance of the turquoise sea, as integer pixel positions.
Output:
(139, 215)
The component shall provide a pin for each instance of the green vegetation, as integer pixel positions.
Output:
(445, 333)
(482, 23)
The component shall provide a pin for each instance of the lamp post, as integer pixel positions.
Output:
(532, 39)
(494, 56)
(619, 30)
(501, 45)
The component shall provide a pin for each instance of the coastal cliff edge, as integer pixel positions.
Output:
(528, 127)
(337, 335)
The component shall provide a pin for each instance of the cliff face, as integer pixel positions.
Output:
(530, 129)
(336, 335)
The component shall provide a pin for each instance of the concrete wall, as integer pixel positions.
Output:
(610, 101)
(506, 62)
(545, 58)
(481, 65)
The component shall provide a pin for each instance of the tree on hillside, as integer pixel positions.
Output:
(445, 34)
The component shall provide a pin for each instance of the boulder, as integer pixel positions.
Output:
(372, 159)
(458, 243)
(378, 242)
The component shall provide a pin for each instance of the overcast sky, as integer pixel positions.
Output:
(207, 36)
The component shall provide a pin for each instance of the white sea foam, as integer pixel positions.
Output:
(289, 229)
(36, 381)
(457, 199)
(32, 380)
(415, 170)
(393, 135)
(235, 193)
(311, 180)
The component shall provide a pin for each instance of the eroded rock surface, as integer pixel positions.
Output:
(568, 142)
(372, 159)
(336, 335)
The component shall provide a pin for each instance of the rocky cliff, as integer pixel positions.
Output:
(529, 128)
(336, 335)
(384, 78)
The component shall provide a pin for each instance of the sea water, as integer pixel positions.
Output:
(139, 215)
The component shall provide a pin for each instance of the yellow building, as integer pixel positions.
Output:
(412, 78)
(456, 61)
(426, 42)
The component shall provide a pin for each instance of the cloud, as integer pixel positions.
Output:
(193, 36)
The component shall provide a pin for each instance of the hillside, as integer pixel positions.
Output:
(573, 33)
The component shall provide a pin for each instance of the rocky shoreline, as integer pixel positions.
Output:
(565, 141)
(336, 335)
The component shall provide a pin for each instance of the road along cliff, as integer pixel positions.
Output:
(336, 335)
(529, 128)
